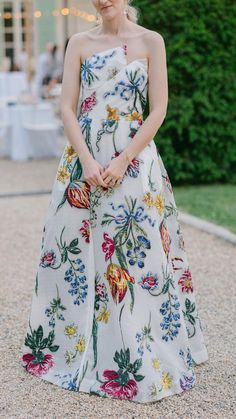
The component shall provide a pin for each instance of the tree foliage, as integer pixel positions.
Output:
(198, 137)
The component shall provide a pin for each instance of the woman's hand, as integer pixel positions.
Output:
(92, 172)
(114, 172)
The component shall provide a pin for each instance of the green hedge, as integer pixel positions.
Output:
(197, 140)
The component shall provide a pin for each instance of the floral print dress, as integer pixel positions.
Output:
(113, 309)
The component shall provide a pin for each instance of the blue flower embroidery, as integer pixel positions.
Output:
(169, 309)
(136, 256)
(77, 282)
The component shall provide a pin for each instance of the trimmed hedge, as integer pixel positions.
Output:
(198, 137)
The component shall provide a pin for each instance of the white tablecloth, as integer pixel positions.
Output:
(12, 84)
(32, 131)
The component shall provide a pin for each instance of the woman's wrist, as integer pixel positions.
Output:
(86, 159)
(126, 155)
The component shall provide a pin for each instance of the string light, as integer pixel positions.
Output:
(65, 11)
(37, 13)
(7, 15)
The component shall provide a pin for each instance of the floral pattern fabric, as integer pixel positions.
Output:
(113, 309)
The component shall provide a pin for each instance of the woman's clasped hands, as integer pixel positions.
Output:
(111, 175)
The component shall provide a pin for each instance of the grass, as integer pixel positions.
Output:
(215, 203)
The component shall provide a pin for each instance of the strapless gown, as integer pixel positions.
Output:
(113, 308)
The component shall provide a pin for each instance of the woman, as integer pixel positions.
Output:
(114, 312)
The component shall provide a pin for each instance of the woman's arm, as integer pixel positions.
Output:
(158, 97)
(68, 104)
(70, 96)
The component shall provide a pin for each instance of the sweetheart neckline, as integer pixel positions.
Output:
(113, 49)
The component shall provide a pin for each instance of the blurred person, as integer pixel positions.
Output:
(58, 62)
(14, 67)
(49, 67)
(23, 61)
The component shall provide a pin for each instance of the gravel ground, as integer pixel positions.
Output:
(213, 265)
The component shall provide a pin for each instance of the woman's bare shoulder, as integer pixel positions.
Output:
(84, 36)
(153, 38)
(154, 42)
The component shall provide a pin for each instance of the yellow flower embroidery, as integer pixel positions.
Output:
(71, 331)
(112, 113)
(62, 174)
(69, 153)
(148, 199)
(80, 345)
(104, 316)
(134, 116)
(156, 364)
(166, 380)
(159, 204)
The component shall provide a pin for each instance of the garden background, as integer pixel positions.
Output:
(197, 140)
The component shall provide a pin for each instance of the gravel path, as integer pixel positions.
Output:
(213, 265)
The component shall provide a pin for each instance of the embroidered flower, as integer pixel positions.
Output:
(85, 230)
(166, 381)
(165, 238)
(116, 387)
(187, 382)
(88, 103)
(62, 174)
(118, 278)
(149, 281)
(156, 364)
(112, 113)
(134, 116)
(70, 153)
(48, 259)
(36, 367)
(186, 281)
(159, 204)
(104, 316)
(71, 330)
(78, 194)
(148, 199)
(108, 246)
(81, 344)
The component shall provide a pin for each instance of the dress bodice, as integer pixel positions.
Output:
(111, 86)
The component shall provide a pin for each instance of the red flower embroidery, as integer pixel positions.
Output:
(100, 289)
(48, 259)
(88, 103)
(165, 238)
(186, 281)
(108, 246)
(149, 282)
(114, 387)
(118, 278)
(37, 368)
(85, 230)
(78, 194)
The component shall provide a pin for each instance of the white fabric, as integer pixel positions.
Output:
(42, 139)
(12, 84)
(33, 131)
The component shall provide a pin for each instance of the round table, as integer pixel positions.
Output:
(12, 84)
(32, 132)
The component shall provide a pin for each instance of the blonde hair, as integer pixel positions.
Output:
(132, 13)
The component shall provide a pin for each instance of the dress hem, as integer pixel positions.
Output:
(175, 390)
